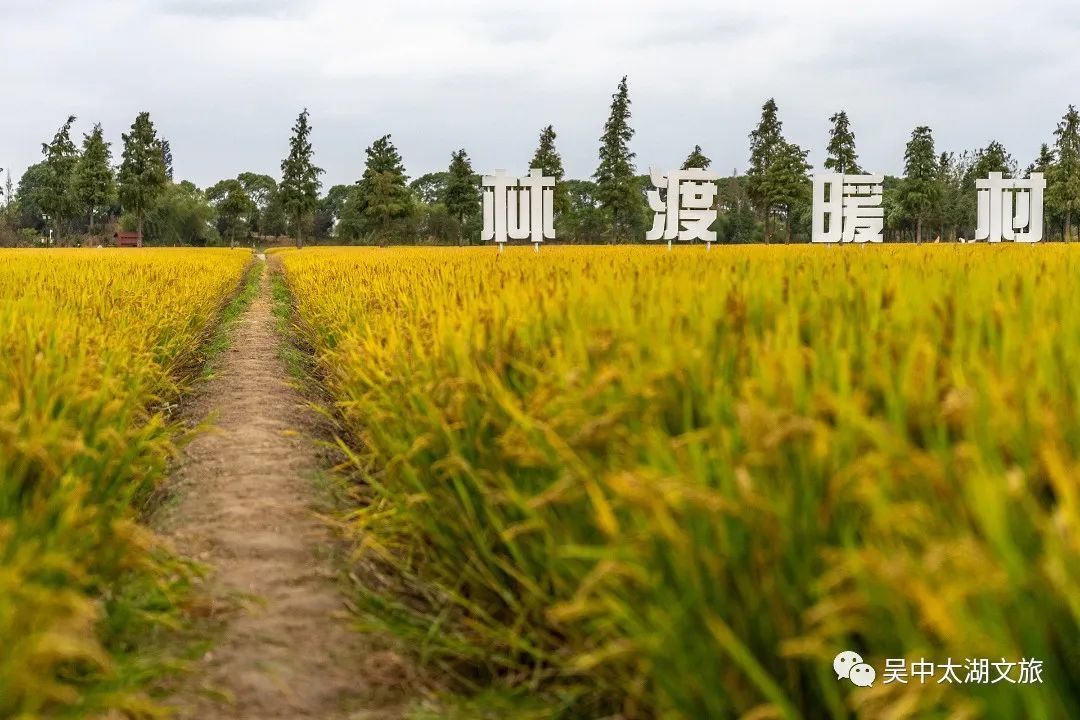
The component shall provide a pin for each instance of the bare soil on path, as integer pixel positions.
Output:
(244, 508)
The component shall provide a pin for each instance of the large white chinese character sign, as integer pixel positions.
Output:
(1010, 209)
(518, 208)
(689, 209)
(847, 208)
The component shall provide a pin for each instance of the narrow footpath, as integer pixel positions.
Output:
(245, 496)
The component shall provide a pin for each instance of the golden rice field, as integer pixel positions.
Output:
(93, 344)
(626, 483)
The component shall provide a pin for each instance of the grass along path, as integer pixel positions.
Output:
(284, 648)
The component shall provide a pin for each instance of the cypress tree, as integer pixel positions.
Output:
(9, 195)
(766, 142)
(300, 182)
(1063, 187)
(61, 160)
(920, 190)
(787, 183)
(616, 183)
(95, 186)
(142, 173)
(167, 159)
(1043, 163)
(547, 158)
(462, 195)
(841, 156)
(383, 192)
(696, 159)
(993, 158)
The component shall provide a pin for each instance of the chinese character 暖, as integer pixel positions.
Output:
(850, 207)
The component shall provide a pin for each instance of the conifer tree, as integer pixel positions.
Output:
(1043, 163)
(787, 182)
(1063, 183)
(141, 179)
(616, 183)
(547, 158)
(766, 142)
(462, 195)
(740, 223)
(920, 191)
(993, 158)
(9, 195)
(95, 186)
(953, 200)
(841, 156)
(300, 182)
(61, 159)
(167, 159)
(696, 159)
(383, 193)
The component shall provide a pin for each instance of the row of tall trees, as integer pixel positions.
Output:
(383, 206)
(77, 189)
(937, 193)
(77, 195)
(934, 198)
(938, 190)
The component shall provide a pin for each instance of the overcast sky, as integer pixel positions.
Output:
(224, 79)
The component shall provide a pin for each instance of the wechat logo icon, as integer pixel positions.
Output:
(849, 665)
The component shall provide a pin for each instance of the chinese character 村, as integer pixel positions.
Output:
(853, 208)
(518, 208)
(1010, 209)
(689, 209)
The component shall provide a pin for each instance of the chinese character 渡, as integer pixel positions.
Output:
(689, 210)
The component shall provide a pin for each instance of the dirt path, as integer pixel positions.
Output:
(245, 496)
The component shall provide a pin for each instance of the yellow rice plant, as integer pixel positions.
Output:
(93, 345)
(677, 484)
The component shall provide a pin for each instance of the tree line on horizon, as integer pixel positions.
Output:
(77, 196)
